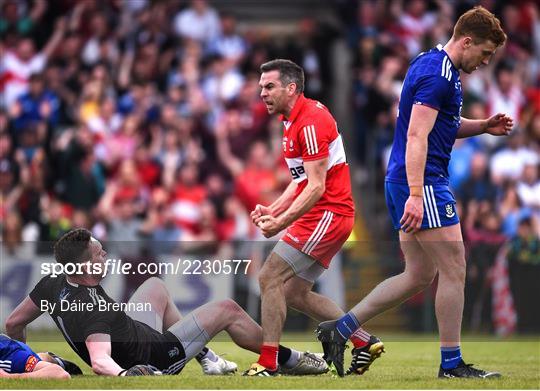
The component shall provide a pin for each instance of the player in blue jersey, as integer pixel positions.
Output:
(419, 200)
(17, 360)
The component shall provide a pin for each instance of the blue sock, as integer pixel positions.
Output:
(450, 357)
(347, 324)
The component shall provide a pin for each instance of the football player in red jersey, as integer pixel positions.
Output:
(316, 210)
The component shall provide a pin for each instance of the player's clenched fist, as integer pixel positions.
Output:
(269, 225)
(260, 210)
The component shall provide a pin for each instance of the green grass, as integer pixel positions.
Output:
(405, 365)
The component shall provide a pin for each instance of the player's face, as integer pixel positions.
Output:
(477, 54)
(273, 93)
(98, 254)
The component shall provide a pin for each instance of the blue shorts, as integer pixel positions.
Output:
(439, 204)
(16, 357)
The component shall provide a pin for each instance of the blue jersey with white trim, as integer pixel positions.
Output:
(15, 356)
(431, 80)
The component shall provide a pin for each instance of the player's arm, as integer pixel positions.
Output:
(316, 177)
(316, 180)
(99, 349)
(420, 125)
(43, 370)
(284, 201)
(280, 205)
(498, 125)
(21, 316)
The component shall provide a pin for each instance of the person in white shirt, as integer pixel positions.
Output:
(20, 64)
(199, 22)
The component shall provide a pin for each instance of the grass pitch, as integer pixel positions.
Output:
(410, 362)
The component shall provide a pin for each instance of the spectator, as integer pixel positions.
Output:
(512, 210)
(484, 238)
(229, 44)
(528, 188)
(478, 187)
(18, 240)
(524, 269)
(188, 196)
(505, 94)
(235, 224)
(55, 222)
(57, 83)
(415, 22)
(221, 84)
(100, 46)
(508, 163)
(35, 106)
(107, 122)
(199, 22)
(79, 175)
(166, 236)
(21, 24)
(20, 64)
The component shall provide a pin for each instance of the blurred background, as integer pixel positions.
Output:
(141, 121)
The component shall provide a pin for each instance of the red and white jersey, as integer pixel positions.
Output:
(311, 134)
(15, 73)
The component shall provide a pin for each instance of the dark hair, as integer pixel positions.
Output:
(481, 25)
(504, 65)
(525, 220)
(72, 246)
(289, 72)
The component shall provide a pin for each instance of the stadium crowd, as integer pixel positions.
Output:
(141, 120)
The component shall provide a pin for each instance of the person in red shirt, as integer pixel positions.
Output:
(316, 211)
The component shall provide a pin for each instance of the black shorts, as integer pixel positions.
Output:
(168, 354)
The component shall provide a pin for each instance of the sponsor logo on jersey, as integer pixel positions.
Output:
(296, 172)
(64, 293)
(293, 237)
(30, 364)
(449, 208)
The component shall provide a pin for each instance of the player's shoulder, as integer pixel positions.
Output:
(315, 112)
(315, 107)
(5, 340)
(49, 282)
(84, 294)
(433, 63)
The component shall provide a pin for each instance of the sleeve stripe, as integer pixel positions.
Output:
(314, 139)
(309, 150)
(446, 67)
(443, 67)
(311, 139)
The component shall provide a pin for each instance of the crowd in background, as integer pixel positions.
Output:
(141, 120)
(135, 119)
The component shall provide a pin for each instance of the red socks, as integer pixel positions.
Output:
(360, 338)
(268, 357)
